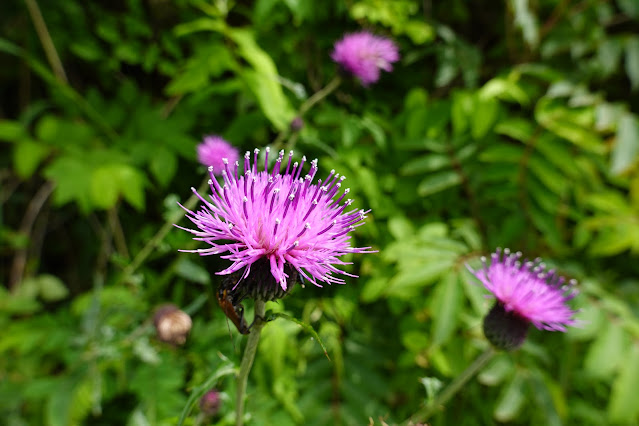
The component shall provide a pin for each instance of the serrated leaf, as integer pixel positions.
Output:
(27, 156)
(111, 181)
(70, 175)
(623, 407)
(626, 147)
(438, 182)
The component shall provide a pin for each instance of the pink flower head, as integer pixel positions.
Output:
(281, 220)
(213, 150)
(364, 55)
(527, 290)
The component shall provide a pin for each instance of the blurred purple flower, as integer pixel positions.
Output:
(526, 290)
(277, 222)
(210, 402)
(213, 150)
(364, 55)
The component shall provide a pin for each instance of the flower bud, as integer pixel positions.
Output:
(172, 324)
(505, 330)
(297, 124)
(210, 403)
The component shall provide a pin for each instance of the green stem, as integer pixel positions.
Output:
(247, 359)
(159, 236)
(319, 95)
(306, 106)
(452, 388)
(45, 39)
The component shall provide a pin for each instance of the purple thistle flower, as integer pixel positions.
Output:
(364, 55)
(527, 291)
(213, 150)
(279, 222)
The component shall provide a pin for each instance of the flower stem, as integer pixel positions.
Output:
(247, 359)
(319, 95)
(305, 107)
(159, 236)
(454, 387)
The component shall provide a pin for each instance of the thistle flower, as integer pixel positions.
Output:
(273, 225)
(364, 55)
(525, 294)
(212, 150)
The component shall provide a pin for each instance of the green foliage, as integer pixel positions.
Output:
(504, 125)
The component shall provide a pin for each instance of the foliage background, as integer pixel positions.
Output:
(509, 124)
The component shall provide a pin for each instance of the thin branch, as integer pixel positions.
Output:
(118, 233)
(33, 209)
(45, 39)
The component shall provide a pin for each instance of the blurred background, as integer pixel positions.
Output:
(505, 124)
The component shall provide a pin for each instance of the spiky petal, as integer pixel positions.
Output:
(213, 150)
(278, 217)
(526, 289)
(364, 55)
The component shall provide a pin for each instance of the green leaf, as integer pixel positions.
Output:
(446, 304)
(565, 122)
(263, 79)
(608, 54)
(191, 271)
(626, 147)
(59, 404)
(632, 61)
(27, 156)
(629, 7)
(461, 110)
(438, 182)
(52, 288)
(111, 181)
(11, 131)
(498, 370)
(607, 352)
(502, 153)
(516, 128)
(485, 113)
(526, 21)
(511, 400)
(425, 164)
(72, 184)
(504, 89)
(623, 407)
(411, 279)
(163, 165)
